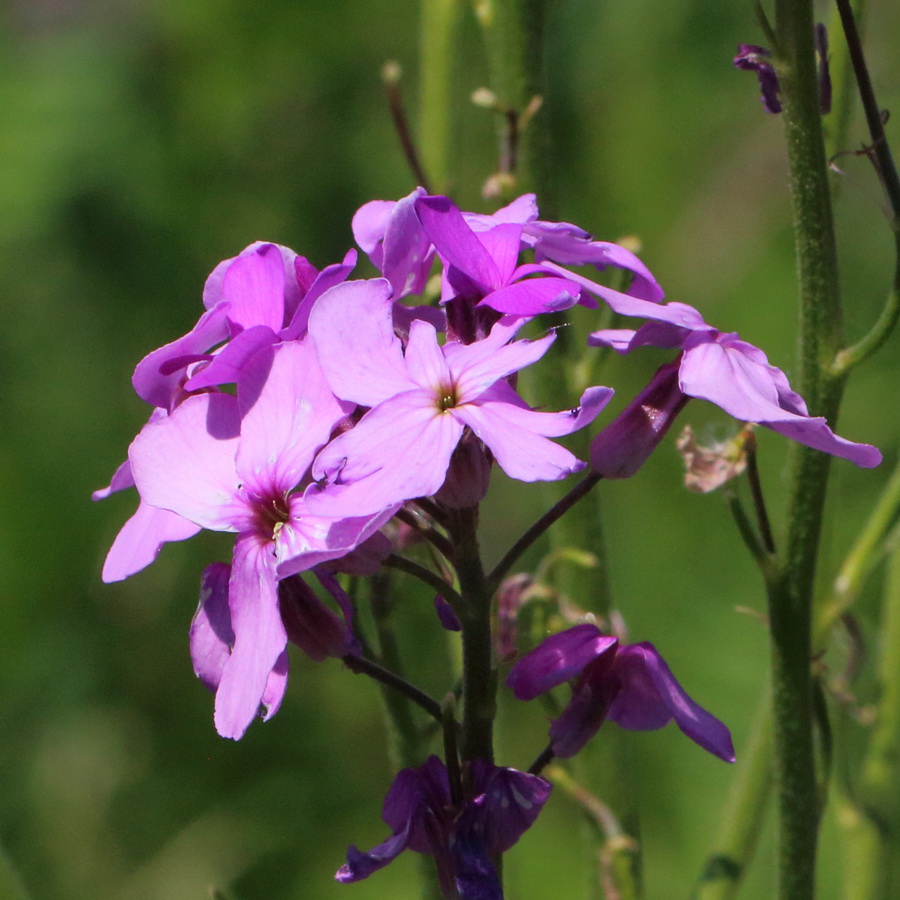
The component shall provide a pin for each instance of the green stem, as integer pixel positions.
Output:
(790, 591)
(513, 35)
(438, 39)
(873, 835)
(479, 674)
(743, 815)
(859, 562)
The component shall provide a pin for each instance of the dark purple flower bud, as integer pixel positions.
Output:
(630, 684)
(620, 449)
(499, 807)
(445, 613)
(752, 58)
(310, 624)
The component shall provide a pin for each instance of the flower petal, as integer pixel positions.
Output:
(559, 658)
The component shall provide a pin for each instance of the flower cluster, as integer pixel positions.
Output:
(306, 409)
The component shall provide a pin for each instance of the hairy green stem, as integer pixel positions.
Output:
(513, 35)
(743, 816)
(439, 31)
(479, 674)
(872, 821)
(790, 591)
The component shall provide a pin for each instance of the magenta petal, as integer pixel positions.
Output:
(559, 658)
(327, 278)
(185, 462)
(362, 364)
(211, 635)
(361, 865)
(519, 451)
(649, 689)
(157, 388)
(292, 417)
(141, 538)
(120, 481)
(259, 637)
(534, 296)
(226, 366)
(254, 287)
(397, 451)
(457, 243)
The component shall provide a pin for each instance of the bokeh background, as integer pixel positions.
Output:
(143, 141)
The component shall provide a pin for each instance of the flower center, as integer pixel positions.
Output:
(271, 512)
(447, 398)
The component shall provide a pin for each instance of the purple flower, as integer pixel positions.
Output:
(752, 58)
(714, 366)
(256, 299)
(422, 398)
(629, 684)
(308, 622)
(230, 463)
(499, 807)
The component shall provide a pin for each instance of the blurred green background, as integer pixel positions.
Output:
(142, 142)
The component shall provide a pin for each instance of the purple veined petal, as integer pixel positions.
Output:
(226, 366)
(457, 243)
(520, 452)
(185, 462)
(254, 287)
(398, 451)
(559, 658)
(120, 481)
(157, 387)
(404, 316)
(513, 802)
(469, 356)
(503, 242)
(259, 636)
(141, 538)
(211, 635)
(647, 682)
(474, 371)
(361, 363)
(292, 417)
(425, 362)
(327, 278)
(361, 865)
(534, 296)
(787, 398)
(213, 289)
(309, 540)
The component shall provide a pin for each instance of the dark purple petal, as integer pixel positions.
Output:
(512, 803)
(559, 658)
(361, 865)
(309, 623)
(649, 696)
(756, 59)
(587, 708)
(620, 449)
(445, 614)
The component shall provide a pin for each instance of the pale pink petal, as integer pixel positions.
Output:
(424, 360)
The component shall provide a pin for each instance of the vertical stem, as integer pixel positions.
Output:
(479, 675)
(875, 841)
(439, 30)
(791, 589)
(513, 34)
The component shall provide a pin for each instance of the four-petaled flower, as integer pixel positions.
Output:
(462, 833)
(629, 684)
